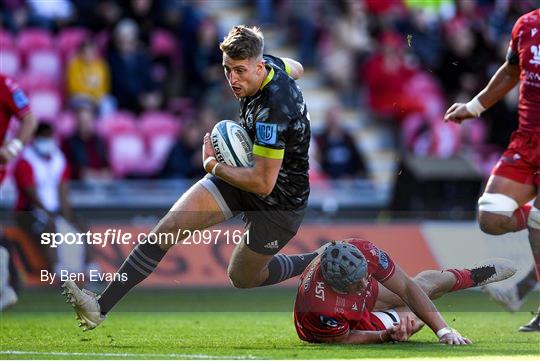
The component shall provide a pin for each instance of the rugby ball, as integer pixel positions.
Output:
(232, 144)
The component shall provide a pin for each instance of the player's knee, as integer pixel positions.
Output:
(495, 211)
(239, 279)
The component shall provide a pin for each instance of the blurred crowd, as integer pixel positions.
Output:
(130, 87)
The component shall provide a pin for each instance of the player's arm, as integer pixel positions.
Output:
(15, 145)
(293, 68)
(260, 179)
(401, 332)
(421, 305)
(500, 84)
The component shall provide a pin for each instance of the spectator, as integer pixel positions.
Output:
(387, 74)
(88, 76)
(132, 84)
(338, 155)
(184, 159)
(86, 151)
(41, 177)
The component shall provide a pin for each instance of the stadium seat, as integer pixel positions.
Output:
(45, 102)
(163, 43)
(6, 40)
(160, 130)
(45, 63)
(127, 153)
(69, 39)
(65, 124)
(34, 39)
(118, 122)
(10, 63)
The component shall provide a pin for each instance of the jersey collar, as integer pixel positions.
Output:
(268, 78)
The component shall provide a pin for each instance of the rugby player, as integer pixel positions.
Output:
(354, 293)
(515, 179)
(272, 194)
(13, 103)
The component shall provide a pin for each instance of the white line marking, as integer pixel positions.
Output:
(132, 355)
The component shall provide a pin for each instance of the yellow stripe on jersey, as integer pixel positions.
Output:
(268, 152)
(287, 67)
(268, 78)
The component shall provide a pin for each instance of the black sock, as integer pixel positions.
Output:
(140, 263)
(282, 267)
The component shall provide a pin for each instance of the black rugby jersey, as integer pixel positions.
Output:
(277, 121)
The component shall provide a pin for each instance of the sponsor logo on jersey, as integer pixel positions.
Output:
(329, 321)
(319, 290)
(534, 31)
(355, 307)
(307, 280)
(535, 49)
(383, 259)
(267, 133)
(20, 99)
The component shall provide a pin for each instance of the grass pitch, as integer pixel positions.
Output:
(237, 324)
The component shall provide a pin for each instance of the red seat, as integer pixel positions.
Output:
(65, 124)
(127, 153)
(119, 122)
(69, 39)
(45, 103)
(45, 63)
(163, 43)
(160, 130)
(33, 39)
(10, 63)
(6, 40)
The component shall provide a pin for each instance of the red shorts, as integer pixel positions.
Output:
(520, 162)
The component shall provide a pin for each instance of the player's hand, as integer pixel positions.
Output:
(457, 113)
(5, 155)
(207, 149)
(454, 338)
(207, 153)
(402, 331)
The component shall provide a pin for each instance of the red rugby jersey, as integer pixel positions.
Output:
(525, 48)
(321, 311)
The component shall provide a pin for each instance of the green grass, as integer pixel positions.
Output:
(234, 323)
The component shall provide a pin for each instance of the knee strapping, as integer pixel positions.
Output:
(534, 218)
(497, 203)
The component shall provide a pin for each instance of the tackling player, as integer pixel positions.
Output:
(13, 103)
(515, 180)
(272, 194)
(354, 293)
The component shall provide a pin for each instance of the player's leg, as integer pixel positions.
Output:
(533, 325)
(495, 216)
(255, 262)
(197, 209)
(502, 208)
(534, 240)
(438, 283)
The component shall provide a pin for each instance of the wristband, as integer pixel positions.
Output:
(214, 168)
(475, 107)
(444, 331)
(208, 160)
(14, 147)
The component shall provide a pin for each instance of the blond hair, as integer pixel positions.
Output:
(243, 43)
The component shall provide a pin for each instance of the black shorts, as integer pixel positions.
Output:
(270, 228)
